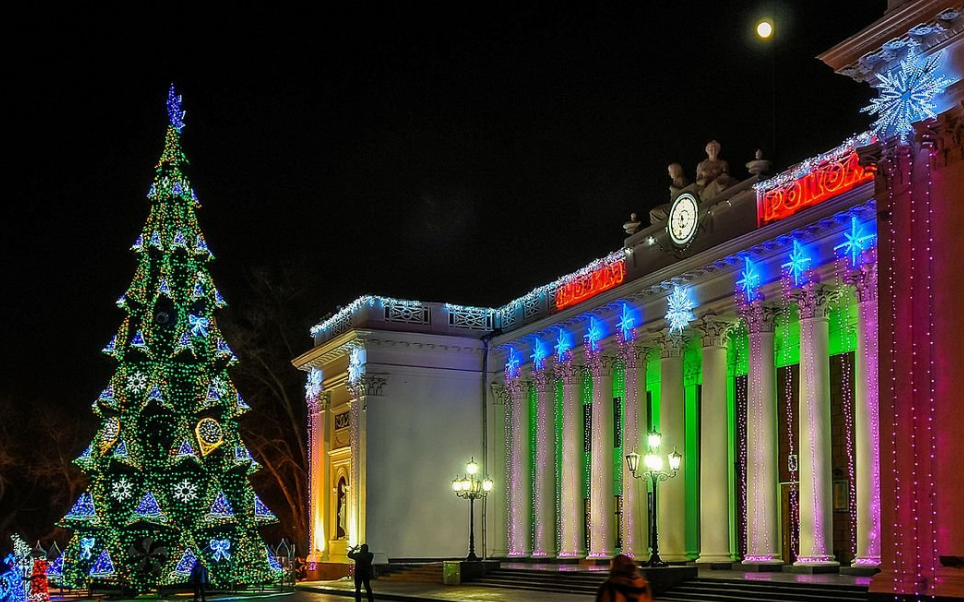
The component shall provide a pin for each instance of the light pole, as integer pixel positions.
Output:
(471, 487)
(653, 463)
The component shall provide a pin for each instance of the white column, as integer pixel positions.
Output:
(602, 536)
(518, 478)
(318, 404)
(714, 469)
(762, 528)
(544, 545)
(571, 536)
(867, 420)
(671, 519)
(816, 478)
(497, 502)
(635, 505)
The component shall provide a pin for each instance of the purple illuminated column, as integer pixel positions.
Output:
(671, 519)
(816, 478)
(544, 479)
(867, 418)
(571, 536)
(762, 528)
(519, 483)
(635, 507)
(714, 473)
(602, 536)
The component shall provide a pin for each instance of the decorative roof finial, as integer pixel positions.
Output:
(174, 111)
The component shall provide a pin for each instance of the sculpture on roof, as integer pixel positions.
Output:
(713, 173)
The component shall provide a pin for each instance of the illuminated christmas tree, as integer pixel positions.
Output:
(169, 473)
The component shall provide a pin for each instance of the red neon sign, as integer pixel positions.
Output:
(824, 182)
(589, 285)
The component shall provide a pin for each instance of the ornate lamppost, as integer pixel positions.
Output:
(653, 464)
(471, 487)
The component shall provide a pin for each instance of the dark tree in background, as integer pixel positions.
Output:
(269, 327)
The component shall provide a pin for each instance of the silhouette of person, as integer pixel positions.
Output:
(363, 570)
(199, 579)
(625, 583)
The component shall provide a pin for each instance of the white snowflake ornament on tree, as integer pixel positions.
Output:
(185, 491)
(906, 94)
(121, 489)
(137, 382)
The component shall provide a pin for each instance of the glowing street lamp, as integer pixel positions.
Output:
(653, 463)
(764, 29)
(471, 487)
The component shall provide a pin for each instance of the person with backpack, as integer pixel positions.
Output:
(363, 570)
(625, 583)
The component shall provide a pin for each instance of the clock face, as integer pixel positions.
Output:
(683, 217)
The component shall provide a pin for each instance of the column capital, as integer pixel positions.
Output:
(714, 329)
(760, 318)
(670, 344)
(498, 392)
(814, 300)
(542, 379)
(864, 281)
(567, 371)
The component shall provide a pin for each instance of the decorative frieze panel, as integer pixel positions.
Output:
(471, 318)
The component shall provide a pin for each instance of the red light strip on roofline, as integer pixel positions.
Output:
(583, 287)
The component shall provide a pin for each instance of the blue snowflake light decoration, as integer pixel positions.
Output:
(749, 280)
(858, 240)
(175, 114)
(679, 309)
(906, 94)
(512, 364)
(627, 323)
(563, 344)
(594, 334)
(798, 265)
(539, 354)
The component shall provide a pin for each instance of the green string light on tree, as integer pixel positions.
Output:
(169, 473)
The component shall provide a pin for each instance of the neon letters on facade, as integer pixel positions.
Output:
(589, 285)
(823, 182)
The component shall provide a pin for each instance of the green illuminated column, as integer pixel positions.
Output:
(671, 519)
(816, 511)
(762, 528)
(714, 476)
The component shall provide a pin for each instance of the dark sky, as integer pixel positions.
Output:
(464, 152)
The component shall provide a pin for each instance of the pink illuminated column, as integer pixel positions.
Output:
(602, 536)
(714, 473)
(816, 477)
(517, 467)
(635, 506)
(571, 536)
(671, 520)
(544, 479)
(318, 402)
(762, 528)
(867, 418)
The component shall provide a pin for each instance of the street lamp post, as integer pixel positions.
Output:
(471, 487)
(653, 463)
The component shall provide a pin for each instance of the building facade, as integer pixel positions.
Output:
(792, 337)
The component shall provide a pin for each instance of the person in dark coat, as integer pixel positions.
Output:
(199, 579)
(363, 570)
(625, 583)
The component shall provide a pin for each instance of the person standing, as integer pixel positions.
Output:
(199, 579)
(625, 583)
(363, 570)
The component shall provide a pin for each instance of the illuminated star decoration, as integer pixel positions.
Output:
(906, 94)
(679, 309)
(562, 344)
(627, 322)
(750, 279)
(593, 334)
(797, 266)
(175, 113)
(858, 241)
(512, 364)
(539, 354)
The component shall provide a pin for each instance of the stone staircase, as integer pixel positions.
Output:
(742, 590)
(412, 573)
(565, 582)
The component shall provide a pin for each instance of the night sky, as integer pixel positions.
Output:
(465, 152)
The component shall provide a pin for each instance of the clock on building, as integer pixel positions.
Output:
(683, 219)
